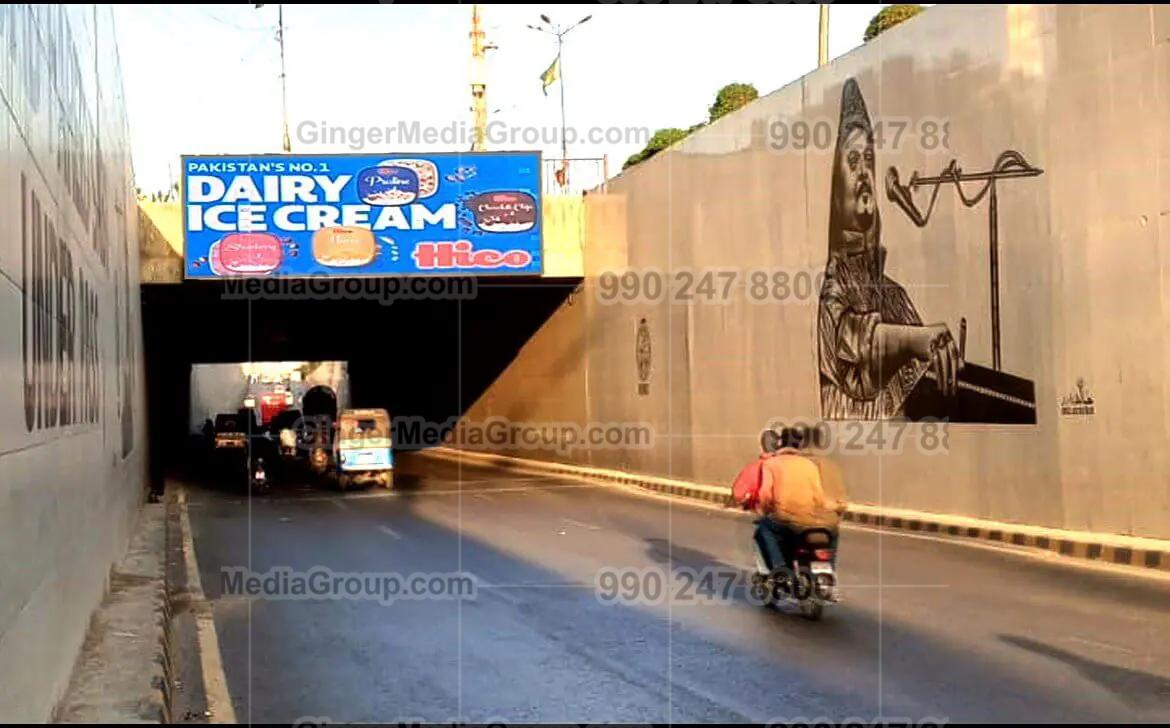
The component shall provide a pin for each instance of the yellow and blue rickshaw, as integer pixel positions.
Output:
(363, 448)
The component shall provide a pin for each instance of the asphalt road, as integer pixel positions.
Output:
(929, 629)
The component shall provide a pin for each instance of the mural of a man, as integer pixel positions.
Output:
(873, 345)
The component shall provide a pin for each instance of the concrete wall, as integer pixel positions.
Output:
(1083, 94)
(72, 441)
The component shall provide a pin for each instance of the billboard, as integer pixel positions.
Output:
(294, 215)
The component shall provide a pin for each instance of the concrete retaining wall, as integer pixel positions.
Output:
(72, 441)
(1078, 97)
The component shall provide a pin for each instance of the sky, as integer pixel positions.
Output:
(205, 79)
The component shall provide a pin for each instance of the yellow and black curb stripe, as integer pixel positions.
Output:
(1086, 548)
(1077, 549)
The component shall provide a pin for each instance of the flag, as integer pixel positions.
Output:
(550, 75)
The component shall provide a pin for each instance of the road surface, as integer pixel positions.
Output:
(929, 629)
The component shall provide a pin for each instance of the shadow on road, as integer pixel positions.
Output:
(1138, 689)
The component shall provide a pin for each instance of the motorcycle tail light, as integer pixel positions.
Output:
(823, 554)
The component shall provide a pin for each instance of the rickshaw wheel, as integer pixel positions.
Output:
(386, 480)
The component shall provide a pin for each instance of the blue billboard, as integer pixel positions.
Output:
(362, 215)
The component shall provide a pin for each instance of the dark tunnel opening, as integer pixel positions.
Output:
(424, 358)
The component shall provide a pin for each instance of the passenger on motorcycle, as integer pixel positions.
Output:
(792, 492)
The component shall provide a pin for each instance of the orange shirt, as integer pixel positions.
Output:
(794, 491)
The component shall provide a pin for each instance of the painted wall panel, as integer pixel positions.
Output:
(1065, 108)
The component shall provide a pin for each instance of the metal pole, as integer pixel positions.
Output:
(994, 254)
(561, 68)
(478, 82)
(283, 90)
(823, 42)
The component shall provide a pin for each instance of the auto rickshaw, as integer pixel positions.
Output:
(363, 449)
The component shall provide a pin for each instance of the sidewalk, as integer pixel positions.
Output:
(1101, 547)
(124, 672)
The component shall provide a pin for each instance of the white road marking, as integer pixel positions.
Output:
(1099, 645)
(579, 524)
(339, 503)
(390, 532)
(219, 701)
(425, 492)
(508, 592)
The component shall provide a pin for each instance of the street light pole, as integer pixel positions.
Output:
(561, 68)
(555, 30)
(283, 89)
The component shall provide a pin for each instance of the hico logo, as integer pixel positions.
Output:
(462, 254)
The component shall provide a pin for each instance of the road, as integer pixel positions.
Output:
(928, 628)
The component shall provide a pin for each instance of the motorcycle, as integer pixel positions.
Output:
(314, 437)
(807, 580)
(259, 478)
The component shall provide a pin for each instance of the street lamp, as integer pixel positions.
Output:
(559, 33)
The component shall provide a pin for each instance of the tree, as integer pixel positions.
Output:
(661, 139)
(888, 17)
(731, 97)
(728, 99)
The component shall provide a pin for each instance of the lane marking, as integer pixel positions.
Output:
(1099, 645)
(579, 524)
(390, 532)
(479, 481)
(219, 702)
(337, 502)
(421, 493)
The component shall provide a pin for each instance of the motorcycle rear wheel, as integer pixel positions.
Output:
(760, 591)
(811, 610)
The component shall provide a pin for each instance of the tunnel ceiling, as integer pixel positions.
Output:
(429, 358)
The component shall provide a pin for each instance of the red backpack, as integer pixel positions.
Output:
(746, 489)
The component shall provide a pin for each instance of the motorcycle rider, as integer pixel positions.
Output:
(795, 492)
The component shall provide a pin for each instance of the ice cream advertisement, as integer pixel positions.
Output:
(362, 215)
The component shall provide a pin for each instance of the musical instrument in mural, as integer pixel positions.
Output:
(986, 395)
(1009, 165)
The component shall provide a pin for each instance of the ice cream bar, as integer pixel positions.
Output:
(428, 173)
(388, 185)
(503, 212)
(344, 247)
(248, 253)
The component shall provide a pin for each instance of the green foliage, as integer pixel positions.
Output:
(661, 139)
(888, 17)
(731, 97)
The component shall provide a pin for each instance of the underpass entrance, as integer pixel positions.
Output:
(426, 359)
